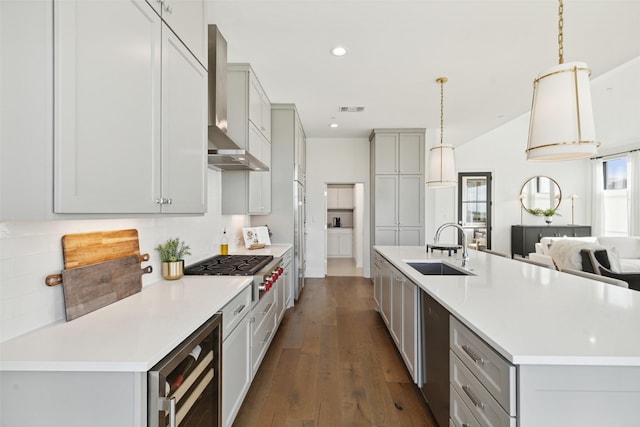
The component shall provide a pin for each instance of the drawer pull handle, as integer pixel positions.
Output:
(239, 310)
(476, 402)
(466, 425)
(266, 337)
(267, 308)
(477, 359)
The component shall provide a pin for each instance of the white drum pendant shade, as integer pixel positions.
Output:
(561, 125)
(442, 167)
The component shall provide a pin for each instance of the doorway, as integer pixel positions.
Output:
(474, 207)
(344, 229)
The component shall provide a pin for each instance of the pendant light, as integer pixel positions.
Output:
(442, 165)
(561, 125)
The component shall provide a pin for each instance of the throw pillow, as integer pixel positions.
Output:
(614, 260)
(566, 253)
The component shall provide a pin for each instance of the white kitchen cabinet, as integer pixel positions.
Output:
(187, 18)
(340, 242)
(288, 281)
(129, 136)
(397, 283)
(399, 152)
(403, 329)
(246, 192)
(260, 182)
(398, 302)
(287, 217)
(259, 107)
(397, 191)
(340, 197)
(377, 279)
(263, 329)
(385, 292)
(236, 354)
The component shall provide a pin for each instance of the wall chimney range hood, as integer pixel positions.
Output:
(223, 152)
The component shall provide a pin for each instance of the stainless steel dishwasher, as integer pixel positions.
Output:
(435, 358)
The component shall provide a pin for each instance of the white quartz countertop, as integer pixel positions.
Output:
(533, 315)
(131, 335)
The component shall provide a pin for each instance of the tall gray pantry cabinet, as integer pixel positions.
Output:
(397, 186)
(287, 218)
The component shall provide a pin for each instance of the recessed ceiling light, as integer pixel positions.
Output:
(333, 125)
(339, 51)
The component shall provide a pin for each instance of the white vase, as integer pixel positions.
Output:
(548, 219)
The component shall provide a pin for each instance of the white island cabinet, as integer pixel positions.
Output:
(529, 346)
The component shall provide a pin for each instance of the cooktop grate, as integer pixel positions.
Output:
(229, 265)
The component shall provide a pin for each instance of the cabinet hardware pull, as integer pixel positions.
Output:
(170, 405)
(239, 310)
(477, 359)
(266, 337)
(476, 402)
(267, 308)
(466, 425)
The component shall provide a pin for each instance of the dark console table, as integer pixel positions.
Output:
(524, 237)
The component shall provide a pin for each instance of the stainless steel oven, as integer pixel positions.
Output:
(184, 388)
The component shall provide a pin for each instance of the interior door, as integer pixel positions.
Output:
(474, 207)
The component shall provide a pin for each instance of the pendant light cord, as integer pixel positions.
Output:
(560, 33)
(442, 81)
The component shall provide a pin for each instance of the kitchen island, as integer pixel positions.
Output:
(572, 342)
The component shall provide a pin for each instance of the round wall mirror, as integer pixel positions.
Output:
(540, 193)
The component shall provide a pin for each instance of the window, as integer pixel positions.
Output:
(615, 174)
(615, 197)
(474, 207)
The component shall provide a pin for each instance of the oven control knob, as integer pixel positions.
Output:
(280, 271)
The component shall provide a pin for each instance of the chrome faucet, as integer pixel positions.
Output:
(465, 252)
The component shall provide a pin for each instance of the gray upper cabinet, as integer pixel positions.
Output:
(187, 18)
(249, 126)
(397, 189)
(129, 135)
(399, 152)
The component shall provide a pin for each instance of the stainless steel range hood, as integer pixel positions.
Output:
(224, 153)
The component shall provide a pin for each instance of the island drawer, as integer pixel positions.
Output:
(235, 310)
(476, 397)
(496, 374)
(459, 412)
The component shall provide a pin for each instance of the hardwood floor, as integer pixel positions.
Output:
(332, 363)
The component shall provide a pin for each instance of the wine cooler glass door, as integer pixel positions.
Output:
(184, 387)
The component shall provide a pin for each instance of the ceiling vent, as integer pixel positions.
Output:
(351, 109)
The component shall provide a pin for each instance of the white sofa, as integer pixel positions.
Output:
(564, 252)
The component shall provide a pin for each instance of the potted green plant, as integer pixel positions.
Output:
(172, 254)
(546, 213)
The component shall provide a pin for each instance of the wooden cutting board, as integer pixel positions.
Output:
(91, 287)
(91, 248)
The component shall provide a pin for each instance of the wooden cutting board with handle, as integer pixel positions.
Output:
(90, 248)
(91, 287)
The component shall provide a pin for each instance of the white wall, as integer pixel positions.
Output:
(501, 152)
(29, 251)
(332, 160)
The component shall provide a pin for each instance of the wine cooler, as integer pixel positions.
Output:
(184, 387)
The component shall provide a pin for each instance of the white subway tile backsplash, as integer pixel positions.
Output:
(29, 251)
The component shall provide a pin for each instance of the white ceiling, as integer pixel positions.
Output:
(490, 51)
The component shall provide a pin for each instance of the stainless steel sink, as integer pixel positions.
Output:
(437, 268)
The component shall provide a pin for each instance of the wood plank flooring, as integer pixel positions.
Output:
(332, 363)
